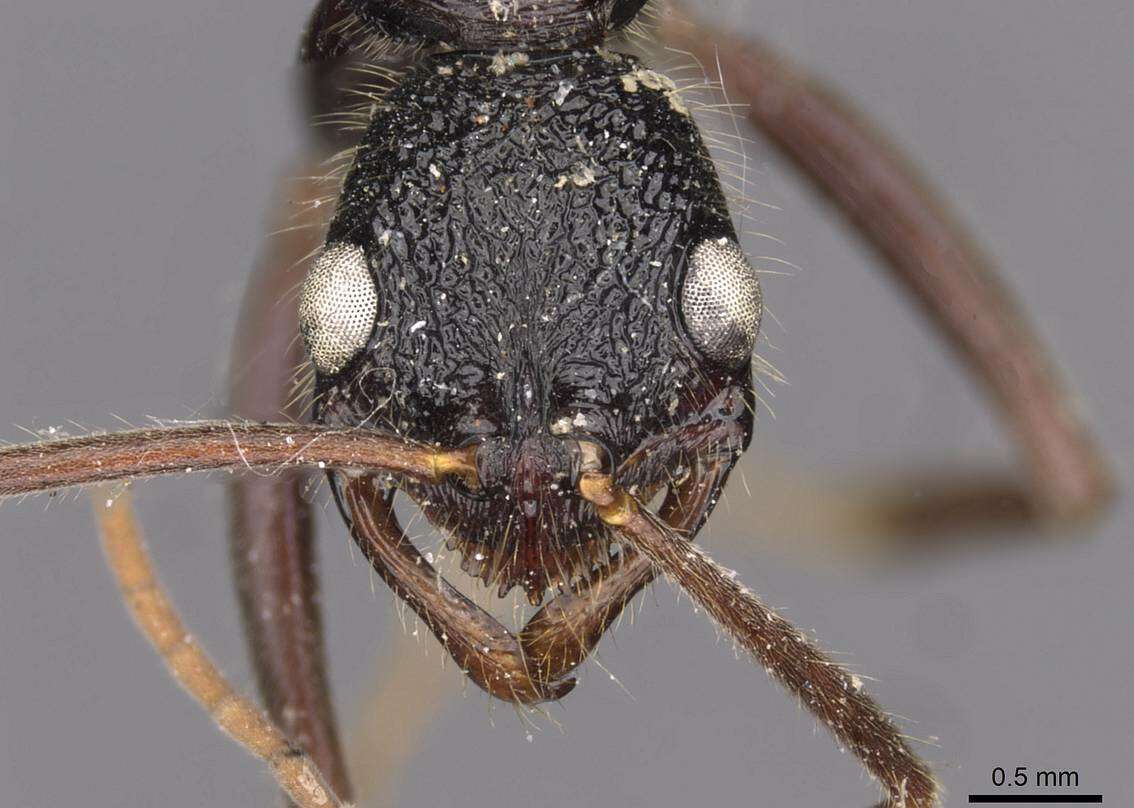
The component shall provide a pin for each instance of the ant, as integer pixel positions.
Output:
(592, 349)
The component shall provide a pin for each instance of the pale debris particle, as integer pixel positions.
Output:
(654, 81)
(503, 62)
(581, 176)
(565, 88)
(499, 10)
(444, 70)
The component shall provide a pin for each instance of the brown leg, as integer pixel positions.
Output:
(271, 534)
(931, 256)
(187, 662)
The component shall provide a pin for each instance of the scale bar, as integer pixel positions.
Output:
(1046, 799)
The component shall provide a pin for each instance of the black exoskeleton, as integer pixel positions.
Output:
(526, 219)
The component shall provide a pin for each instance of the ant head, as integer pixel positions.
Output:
(532, 253)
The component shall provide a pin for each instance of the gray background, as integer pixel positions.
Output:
(139, 145)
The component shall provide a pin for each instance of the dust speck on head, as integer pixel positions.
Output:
(651, 80)
(503, 62)
(608, 55)
(499, 10)
(565, 88)
(582, 175)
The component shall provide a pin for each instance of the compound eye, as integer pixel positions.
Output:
(337, 307)
(721, 301)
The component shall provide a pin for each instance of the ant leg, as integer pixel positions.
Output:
(158, 620)
(484, 649)
(829, 691)
(564, 632)
(271, 536)
(932, 256)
